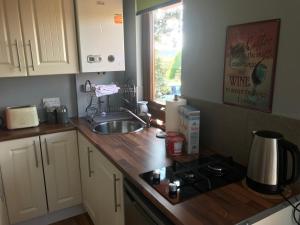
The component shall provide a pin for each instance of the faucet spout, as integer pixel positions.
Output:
(147, 124)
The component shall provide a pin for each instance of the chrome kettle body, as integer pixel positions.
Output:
(270, 167)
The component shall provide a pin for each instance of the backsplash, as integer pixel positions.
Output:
(227, 129)
(31, 90)
(83, 99)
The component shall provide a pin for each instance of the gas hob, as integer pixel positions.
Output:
(184, 180)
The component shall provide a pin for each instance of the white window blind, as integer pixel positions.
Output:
(144, 6)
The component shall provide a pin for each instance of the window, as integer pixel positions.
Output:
(161, 56)
(166, 53)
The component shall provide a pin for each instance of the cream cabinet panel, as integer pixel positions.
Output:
(61, 168)
(23, 180)
(102, 185)
(86, 151)
(49, 36)
(3, 209)
(109, 181)
(12, 60)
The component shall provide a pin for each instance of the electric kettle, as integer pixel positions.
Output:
(273, 162)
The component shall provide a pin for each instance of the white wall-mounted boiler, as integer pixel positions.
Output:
(100, 35)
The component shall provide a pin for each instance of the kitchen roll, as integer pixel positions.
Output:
(172, 115)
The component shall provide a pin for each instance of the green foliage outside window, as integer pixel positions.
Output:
(167, 51)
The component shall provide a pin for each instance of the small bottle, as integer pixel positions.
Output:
(87, 86)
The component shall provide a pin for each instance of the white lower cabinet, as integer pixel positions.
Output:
(26, 164)
(102, 186)
(61, 168)
(3, 209)
(86, 151)
(282, 217)
(23, 179)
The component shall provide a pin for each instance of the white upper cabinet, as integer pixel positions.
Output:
(101, 35)
(12, 59)
(49, 36)
(61, 168)
(38, 37)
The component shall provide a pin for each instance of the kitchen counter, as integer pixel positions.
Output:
(42, 129)
(136, 153)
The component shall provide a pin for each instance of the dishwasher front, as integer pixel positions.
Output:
(139, 210)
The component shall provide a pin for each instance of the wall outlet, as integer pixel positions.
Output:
(51, 102)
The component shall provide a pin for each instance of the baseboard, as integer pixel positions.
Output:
(55, 216)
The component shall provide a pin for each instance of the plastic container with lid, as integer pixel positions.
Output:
(62, 114)
(51, 115)
(174, 143)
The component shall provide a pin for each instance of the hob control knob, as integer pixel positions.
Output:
(172, 189)
(156, 176)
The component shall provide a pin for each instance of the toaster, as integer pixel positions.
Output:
(21, 117)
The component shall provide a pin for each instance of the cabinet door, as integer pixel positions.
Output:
(3, 210)
(12, 61)
(23, 180)
(284, 216)
(86, 151)
(49, 36)
(109, 181)
(61, 168)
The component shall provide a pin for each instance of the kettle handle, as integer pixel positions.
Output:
(1, 122)
(294, 151)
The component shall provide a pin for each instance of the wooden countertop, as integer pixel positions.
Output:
(136, 153)
(141, 152)
(43, 128)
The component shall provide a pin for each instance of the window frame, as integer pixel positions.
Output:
(156, 109)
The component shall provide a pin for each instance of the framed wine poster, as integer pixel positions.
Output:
(250, 61)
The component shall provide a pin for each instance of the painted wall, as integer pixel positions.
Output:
(133, 49)
(83, 99)
(31, 90)
(225, 128)
(205, 25)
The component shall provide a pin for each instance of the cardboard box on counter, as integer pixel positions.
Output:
(189, 126)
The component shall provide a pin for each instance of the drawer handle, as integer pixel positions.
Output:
(115, 193)
(35, 155)
(47, 152)
(89, 161)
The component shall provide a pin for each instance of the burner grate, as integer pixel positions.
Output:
(195, 177)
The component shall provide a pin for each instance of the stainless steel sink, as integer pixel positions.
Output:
(117, 126)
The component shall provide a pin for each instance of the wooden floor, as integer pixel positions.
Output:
(83, 219)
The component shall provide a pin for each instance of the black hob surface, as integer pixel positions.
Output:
(183, 180)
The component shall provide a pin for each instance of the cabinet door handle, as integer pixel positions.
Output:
(89, 161)
(31, 55)
(18, 55)
(47, 152)
(115, 192)
(35, 155)
(2, 197)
